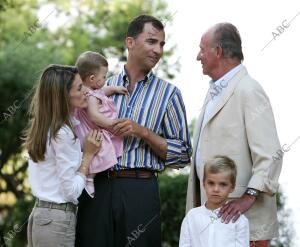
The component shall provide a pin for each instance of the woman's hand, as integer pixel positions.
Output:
(91, 146)
(92, 143)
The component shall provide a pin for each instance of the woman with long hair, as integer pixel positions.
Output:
(57, 167)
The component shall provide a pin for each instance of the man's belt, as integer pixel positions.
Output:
(132, 173)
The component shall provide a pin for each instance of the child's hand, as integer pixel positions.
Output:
(110, 90)
(121, 90)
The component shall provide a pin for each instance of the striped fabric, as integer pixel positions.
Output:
(157, 105)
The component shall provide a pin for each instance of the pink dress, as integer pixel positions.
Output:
(112, 145)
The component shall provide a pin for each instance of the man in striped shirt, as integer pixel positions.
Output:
(152, 120)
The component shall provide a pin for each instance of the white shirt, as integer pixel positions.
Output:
(216, 89)
(56, 178)
(201, 227)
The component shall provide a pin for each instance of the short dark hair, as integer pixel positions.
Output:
(228, 37)
(219, 164)
(89, 63)
(136, 26)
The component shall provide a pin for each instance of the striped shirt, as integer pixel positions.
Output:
(158, 106)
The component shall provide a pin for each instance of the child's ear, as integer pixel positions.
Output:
(92, 77)
(232, 188)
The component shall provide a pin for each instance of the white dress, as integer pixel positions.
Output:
(201, 227)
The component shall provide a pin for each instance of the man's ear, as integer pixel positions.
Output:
(219, 51)
(129, 42)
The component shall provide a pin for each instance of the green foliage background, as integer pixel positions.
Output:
(27, 45)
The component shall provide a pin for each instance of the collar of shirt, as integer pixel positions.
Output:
(125, 77)
(73, 119)
(213, 214)
(224, 80)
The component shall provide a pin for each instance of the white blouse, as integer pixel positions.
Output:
(56, 179)
(201, 227)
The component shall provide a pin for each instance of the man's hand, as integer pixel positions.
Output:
(127, 127)
(233, 209)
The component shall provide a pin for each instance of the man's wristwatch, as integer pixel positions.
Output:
(252, 192)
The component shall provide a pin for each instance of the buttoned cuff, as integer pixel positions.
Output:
(82, 176)
(178, 155)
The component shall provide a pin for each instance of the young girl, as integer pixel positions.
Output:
(57, 168)
(101, 112)
(202, 227)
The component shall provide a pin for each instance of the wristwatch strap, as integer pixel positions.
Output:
(252, 192)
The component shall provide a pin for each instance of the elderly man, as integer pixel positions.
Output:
(237, 121)
(152, 120)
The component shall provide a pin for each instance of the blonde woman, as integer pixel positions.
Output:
(57, 168)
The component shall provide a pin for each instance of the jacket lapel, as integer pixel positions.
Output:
(197, 128)
(225, 96)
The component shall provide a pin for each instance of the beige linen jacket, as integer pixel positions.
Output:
(242, 126)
